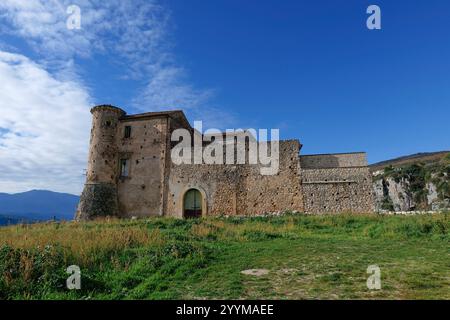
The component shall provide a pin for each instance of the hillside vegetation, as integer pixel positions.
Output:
(423, 157)
(418, 183)
(304, 257)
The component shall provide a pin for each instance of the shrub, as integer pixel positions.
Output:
(31, 271)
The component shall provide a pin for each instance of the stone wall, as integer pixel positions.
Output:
(99, 196)
(338, 160)
(336, 183)
(102, 162)
(142, 192)
(280, 192)
(156, 186)
(239, 189)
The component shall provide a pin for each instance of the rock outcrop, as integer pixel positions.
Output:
(416, 186)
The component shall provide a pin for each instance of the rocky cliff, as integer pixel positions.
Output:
(414, 183)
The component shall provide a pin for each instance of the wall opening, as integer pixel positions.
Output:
(127, 132)
(124, 167)
(192, 204)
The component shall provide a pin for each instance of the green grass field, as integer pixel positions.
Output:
(304, 257)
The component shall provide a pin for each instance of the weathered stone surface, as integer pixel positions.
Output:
(398, 193)
(97, 200)
(401, 199)
(346, 187)
(155, 186)
(338, 160)
(240, 189)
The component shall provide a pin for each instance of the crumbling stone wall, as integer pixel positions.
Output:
(337, 160)
(279, 192)
(219, 183)
(240, 189)
(141, 193)
(156, 186)
(98, 200)
(336, 183)
(99, 197)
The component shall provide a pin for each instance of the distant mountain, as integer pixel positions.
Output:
(37, 205)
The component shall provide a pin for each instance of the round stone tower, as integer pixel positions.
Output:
(99, 197)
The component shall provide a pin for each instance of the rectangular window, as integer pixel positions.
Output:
(127, 132)
(124, 167)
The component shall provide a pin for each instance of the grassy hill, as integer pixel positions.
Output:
(298, 257)
(423, 157)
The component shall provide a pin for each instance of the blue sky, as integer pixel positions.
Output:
(313, 69)
(310, 68)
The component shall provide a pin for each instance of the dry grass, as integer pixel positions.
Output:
(80, 240)
(162, 258)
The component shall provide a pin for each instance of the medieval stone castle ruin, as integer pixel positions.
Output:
(130, 174)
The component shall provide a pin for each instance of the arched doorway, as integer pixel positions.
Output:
(192, 204)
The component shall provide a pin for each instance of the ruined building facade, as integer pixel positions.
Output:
(130, 174)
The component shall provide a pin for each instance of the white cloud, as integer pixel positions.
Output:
(133, 34)
(44, 131)
(168, 90)
(132, 31)
(44, 127)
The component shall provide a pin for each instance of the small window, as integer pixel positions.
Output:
(127, 133)
(124, 167)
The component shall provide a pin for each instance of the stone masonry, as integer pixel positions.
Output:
(130, 174)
